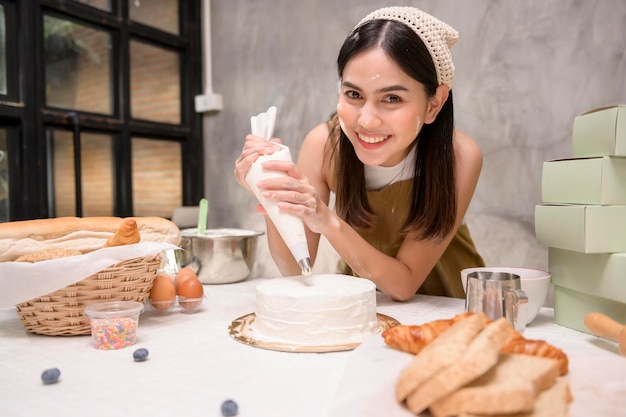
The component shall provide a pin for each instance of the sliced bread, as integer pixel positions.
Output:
(511, 386)
(551, 402)
(481, 354)
(441, 353)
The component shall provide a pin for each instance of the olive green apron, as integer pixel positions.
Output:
(391, 205)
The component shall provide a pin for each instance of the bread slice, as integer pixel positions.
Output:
(439, 354)
(551, 402)
(47, 254)
(476, 359)
(511, 386)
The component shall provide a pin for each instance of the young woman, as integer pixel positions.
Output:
(403, 176)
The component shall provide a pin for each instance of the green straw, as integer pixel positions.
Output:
(202, 215)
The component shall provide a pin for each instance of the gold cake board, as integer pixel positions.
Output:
(241, 329)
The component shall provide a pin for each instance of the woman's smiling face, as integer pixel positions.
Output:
(381, 109)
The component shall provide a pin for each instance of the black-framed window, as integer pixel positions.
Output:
(96, 113)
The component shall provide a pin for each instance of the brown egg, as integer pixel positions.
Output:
(163, 293)
(183, 275)
(191, 289)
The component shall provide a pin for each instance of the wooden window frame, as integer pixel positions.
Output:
(24, 112)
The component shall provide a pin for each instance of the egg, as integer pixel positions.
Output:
(183, 275)
(163, 292)
(191, 289)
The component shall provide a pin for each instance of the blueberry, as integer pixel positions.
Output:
(229, 408)
(50, 376)
(140, 355)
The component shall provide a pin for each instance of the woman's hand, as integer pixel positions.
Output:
(253, 147)
(295, 194)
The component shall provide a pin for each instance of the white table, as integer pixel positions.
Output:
(194, 365)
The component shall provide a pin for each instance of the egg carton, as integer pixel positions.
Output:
(178, 304)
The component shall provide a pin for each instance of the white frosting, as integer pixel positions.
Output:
(316, 310)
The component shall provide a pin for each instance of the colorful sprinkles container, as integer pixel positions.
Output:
(114, 324)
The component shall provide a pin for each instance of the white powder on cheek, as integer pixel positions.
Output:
(342, 124)
(419, 124)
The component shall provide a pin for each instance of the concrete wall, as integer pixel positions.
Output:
(525, 69)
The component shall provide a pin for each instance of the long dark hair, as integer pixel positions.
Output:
(433, 198)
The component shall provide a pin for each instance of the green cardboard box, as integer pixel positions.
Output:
(571, 307)
(581, 228)
(600, 132)
(600, 180)
(599, 274)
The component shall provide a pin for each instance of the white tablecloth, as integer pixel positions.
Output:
(194, 365)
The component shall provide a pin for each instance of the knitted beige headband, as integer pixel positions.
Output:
(436, 35)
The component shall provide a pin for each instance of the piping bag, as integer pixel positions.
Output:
(290, 227)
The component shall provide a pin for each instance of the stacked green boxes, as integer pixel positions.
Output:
(582, 220)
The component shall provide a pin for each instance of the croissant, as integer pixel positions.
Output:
(518, 344)
(413, 338)
(126, 234)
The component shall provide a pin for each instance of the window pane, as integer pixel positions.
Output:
(97, 167)
(157, 177)
(4, 177)
(63, 174)
(96, 179)
(160, 14)
(154, 83)
(98, 4)
(77, 66)
(3, 53)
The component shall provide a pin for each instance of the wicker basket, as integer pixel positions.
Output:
(61, 313)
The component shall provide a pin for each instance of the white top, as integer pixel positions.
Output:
(378, 177)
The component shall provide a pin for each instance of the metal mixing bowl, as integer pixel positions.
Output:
(219, 256)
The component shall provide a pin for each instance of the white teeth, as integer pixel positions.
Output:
(372, 140)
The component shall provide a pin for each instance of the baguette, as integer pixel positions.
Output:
(85, 234)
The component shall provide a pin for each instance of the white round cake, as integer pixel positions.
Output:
(316, 310)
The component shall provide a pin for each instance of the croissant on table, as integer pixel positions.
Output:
(413, 338)
(126, 234)
(519, 344)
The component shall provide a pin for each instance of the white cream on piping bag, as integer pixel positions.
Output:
(290, 227)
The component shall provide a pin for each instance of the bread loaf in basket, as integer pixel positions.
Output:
(60, 313)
